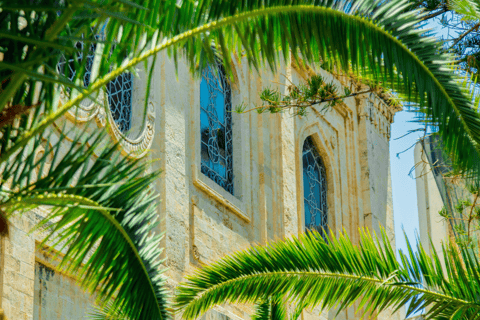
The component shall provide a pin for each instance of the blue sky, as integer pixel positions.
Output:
(404, 186)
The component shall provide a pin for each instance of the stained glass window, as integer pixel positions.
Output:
(216, 127)
(314, 188)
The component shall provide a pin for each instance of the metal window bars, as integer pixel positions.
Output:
(216, 126)
(119, 90)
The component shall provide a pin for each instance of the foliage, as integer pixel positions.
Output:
(464, 214)
(100, 206)
(315, 91)
(299, 98)
(462, 20)
(102, 210)
(412, 66)
(275, 308)
(335, 273)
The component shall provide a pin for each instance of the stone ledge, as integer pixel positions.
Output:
(199, 183)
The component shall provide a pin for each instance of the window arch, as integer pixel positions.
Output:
(314, 188)
(216, 126)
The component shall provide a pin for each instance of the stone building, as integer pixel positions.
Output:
(229, 180)
(430, 198)
(439, 190)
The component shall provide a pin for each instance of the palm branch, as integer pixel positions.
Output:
(335, 273)
(274, 308)
(378, 40)
(103, 216)
(35, 38)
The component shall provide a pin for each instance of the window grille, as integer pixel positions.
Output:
(216, 127)
(314, 188)
(119, 92)
(67, 68)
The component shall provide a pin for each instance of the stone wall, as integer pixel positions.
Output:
(17, 270)
(202, 221)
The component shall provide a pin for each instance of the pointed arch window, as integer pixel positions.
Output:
(314, 188)
(216, 126)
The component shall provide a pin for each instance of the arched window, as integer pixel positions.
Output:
(119, 90)
(314, 188)
(216, 126)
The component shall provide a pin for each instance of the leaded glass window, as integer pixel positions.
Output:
(216, 126)
(314, 188)
(119, 92)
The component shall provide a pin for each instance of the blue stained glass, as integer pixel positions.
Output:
(314, 188)
(216, 127)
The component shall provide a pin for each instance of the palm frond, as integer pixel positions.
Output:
(41, 43)
(102, 210)
(467, 8)
(297, 312)
(272, 308)
(335, 273)
(377, 39)
(107, 312)
(36, 38)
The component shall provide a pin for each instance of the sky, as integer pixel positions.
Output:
(404, 188)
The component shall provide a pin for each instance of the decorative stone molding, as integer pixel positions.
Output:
(377, 113)
(130, 147)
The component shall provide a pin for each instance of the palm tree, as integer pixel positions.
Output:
(380, 42)
(335, 273)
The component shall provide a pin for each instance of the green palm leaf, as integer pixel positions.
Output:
(335, 273)
(37, 40)
(272, 308)
(103, 216)
(107, 312)
(378, 40)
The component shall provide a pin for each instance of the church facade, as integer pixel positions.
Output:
(229, 180)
